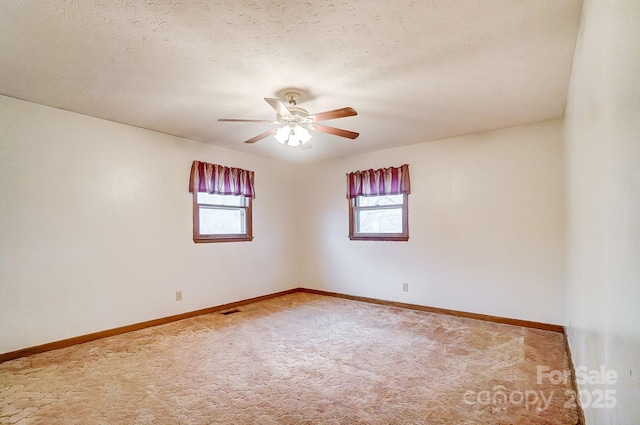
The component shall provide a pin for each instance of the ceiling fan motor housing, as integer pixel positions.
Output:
(298, 116)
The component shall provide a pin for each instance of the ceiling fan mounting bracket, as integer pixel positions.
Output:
(293, 96)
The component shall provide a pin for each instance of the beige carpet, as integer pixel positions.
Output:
(296, 359)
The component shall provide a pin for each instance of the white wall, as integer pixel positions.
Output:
(96, 227)
(485, 222)
(85, 245)
(602, 132)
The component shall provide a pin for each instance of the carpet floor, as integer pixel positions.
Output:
(298, 359)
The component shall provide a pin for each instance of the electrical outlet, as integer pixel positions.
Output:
(405, 287)
(178, 295)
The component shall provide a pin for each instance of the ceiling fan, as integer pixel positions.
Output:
(295, 122)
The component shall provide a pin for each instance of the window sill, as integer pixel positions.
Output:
(223, 239)
(379, 238)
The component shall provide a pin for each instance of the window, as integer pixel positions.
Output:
(378, 204)
(382, 217)
(221, 218)
(222, 199)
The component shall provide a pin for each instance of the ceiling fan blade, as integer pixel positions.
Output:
(279, 106)
(331, 115)
(305, 146)
(262, 135)
(335, 131)
(241, 120)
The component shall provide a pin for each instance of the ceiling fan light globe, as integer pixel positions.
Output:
(282, 134)
(302, 134)
(293, 140)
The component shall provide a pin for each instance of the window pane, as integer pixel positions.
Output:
(231, 200)
(219, 221)
(387, 220)
(366, 201)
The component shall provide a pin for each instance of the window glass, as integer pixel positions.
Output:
(366, 201)
(221, 221)
(379, 218)
(210, 198)
(221, 218)
(380, 221)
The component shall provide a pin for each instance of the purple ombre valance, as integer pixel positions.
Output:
(213, 178)
(383, 181)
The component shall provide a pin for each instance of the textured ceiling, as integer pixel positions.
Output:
(414, 70)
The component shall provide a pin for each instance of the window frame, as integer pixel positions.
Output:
(235, 237)
(353, 214)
